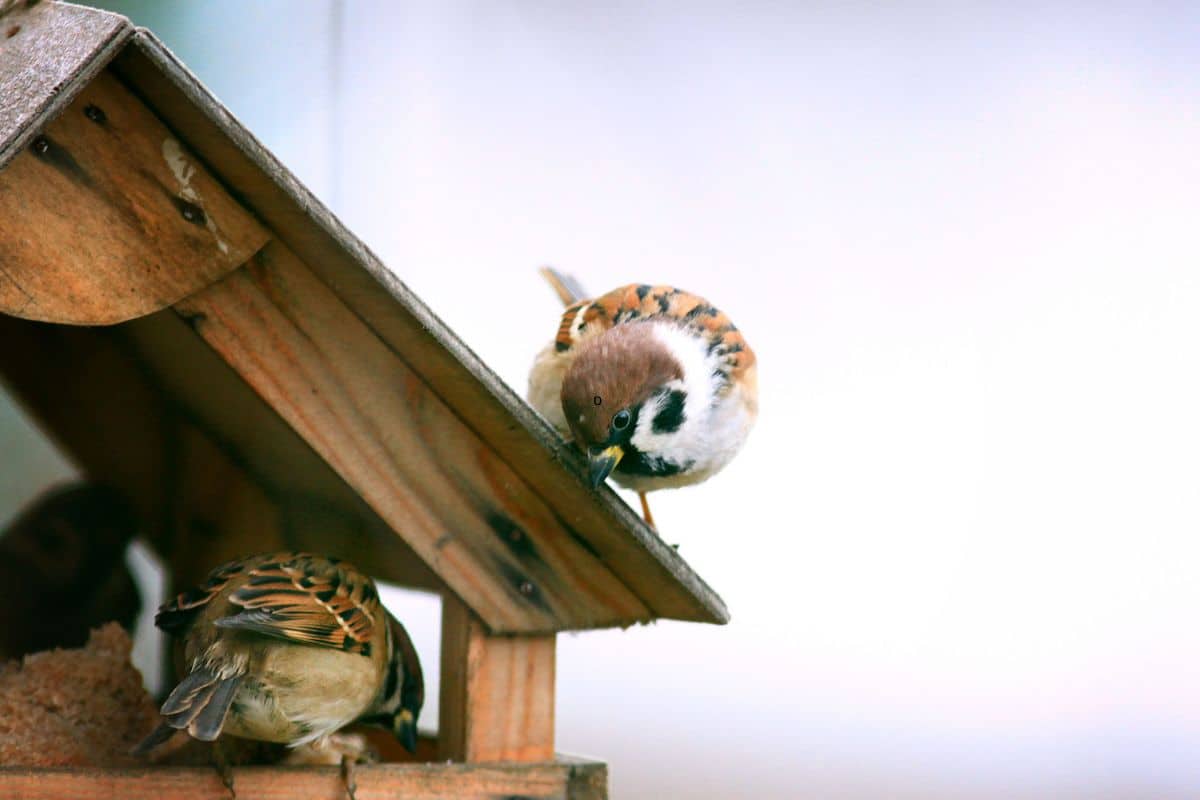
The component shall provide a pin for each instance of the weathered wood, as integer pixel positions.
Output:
(318, 511)
(48, 52)
(106, 216)
(96, 406)
(497, 692)
(563, 780)
(92, 395)
(149, 408)
(642, 560)
(460, 507)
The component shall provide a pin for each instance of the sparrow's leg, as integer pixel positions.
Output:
(348, 776)
(224, 767)
(343, 749)
(646, 511)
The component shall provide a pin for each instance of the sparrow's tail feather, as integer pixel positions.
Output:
(565, 286)
(157, 737)
(200, 702)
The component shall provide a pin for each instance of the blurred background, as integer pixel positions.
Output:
(961, 548)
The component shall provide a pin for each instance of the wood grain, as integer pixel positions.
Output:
(108, 414)
(638, 556)
(461, 508)
(112, 403)
(318, 511)
(497, 692)
(107, 217)
(562, 780)
(53, 51)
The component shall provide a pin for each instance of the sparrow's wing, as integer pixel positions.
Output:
(309, 600)
(642, 301)
(177, 615)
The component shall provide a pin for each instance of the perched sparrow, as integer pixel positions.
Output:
(63, 570)
(656, 385)
(289, 647)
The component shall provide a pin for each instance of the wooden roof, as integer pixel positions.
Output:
(255, 376)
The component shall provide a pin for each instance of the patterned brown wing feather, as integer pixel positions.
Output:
(309, 599)
(640, 301)
(177, 614)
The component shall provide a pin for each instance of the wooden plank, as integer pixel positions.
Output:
(111, 417)
(547, 781)
(97, 406)
(103, 400)
(493, 540)
(497, 692)
(644, 562)
(117, 402)
(318, 511)
(48, 52)
(106, 216)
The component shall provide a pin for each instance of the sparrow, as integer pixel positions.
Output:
(63, 569)
(655, 384)
(289, 648)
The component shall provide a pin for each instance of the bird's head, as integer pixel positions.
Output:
(404, 690)
(623, 386)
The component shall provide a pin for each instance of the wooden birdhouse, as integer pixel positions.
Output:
(191, 326)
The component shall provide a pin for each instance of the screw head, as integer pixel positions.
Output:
(95, 113)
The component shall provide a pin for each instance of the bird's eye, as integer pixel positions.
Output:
(621, 419)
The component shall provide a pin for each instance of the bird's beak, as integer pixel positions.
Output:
(406, 730)
(603, 462)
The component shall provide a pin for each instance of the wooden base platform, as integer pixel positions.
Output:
(565, 778)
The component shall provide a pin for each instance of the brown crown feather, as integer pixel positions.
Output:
(620, 368)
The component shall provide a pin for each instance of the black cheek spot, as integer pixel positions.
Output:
(561, 346)
(671, 415)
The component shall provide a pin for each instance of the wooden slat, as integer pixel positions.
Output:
(110, 416)
(54, 49)
(97, 406)
(318, 510)
(104, 402)
(497, 692)
(562, 780)
(106, 216)
(644, 562)
(447, 493)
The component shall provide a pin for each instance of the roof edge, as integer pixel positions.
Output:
(50, 77)
(708, 605)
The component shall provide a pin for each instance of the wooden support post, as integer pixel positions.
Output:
(497, 692)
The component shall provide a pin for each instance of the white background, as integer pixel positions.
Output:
(960, 549)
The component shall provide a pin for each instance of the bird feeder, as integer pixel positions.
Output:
(193, 327)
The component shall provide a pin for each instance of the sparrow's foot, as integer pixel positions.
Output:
(646, 511)
(333, 750)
